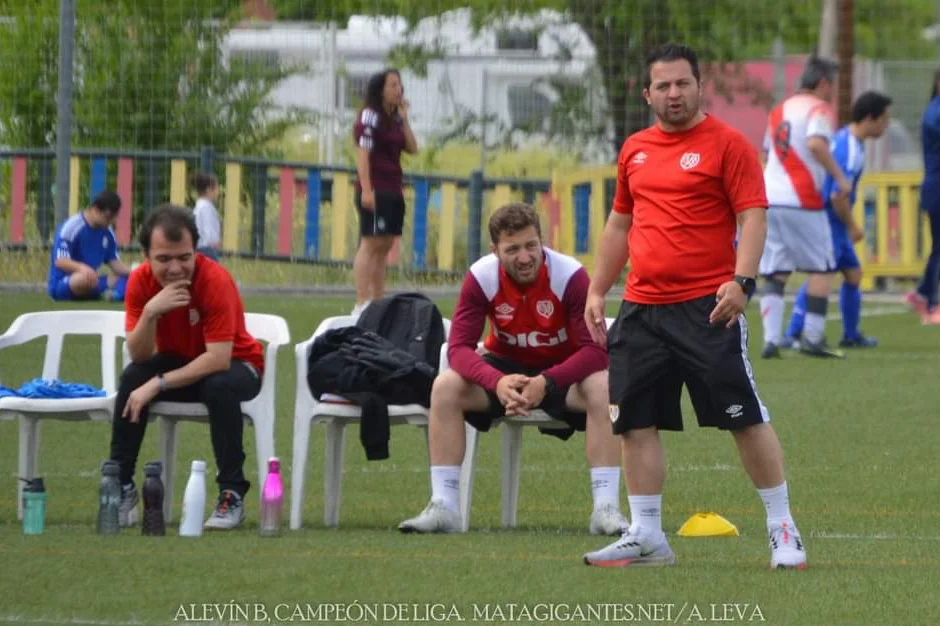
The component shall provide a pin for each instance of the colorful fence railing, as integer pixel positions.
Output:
(268, 208)
(897, 234)
(306, 212)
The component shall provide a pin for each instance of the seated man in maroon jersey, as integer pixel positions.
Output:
(538, 354)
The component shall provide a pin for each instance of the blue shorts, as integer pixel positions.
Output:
(844, 249)
(61, 291)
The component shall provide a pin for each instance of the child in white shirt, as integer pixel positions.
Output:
(207, 218)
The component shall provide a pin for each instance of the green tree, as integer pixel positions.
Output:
(147, 76)
(623, 32)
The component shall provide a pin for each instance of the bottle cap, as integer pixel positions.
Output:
(274, 464)
(199, 466)
(110, 468)
(153, 468)
(34, 485)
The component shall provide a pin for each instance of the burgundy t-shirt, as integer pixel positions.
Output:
(384, 138)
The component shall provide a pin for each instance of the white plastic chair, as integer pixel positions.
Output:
(511, 460)
(54, 325)
(260, 410)
(336, 415)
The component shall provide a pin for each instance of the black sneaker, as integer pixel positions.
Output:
(229, 512)
(821, 350)
(858, 342)
(770, 351)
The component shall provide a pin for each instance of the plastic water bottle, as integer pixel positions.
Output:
(154, 523)
(272, 500)
(34, 506)
(194, 501)
(109, 499)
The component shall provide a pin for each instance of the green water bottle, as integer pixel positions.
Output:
(34, 506)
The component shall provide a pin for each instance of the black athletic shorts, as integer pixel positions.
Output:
(388, 218)
(553, 403)
(654, 349)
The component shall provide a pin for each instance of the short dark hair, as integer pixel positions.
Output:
(818, 69)
(203, 182)
(871, 104)
(172, 220)
(671, 52)
(108, 202)
(511, 218)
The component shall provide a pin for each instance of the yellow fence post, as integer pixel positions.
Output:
(75, 173)
(341, 205)
(447, 227)
(178, 182)
(233, 196)
(502, 195)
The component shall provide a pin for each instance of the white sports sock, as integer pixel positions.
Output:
(814, 328)
(777, 502)
(445, 485)
(771, 311)
(646, 515)
(605, 486)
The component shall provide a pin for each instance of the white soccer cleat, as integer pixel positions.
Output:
(786, 548)
(435, 518)
(608, 520)
(633, 550)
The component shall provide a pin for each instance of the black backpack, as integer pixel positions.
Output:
(411, 321)
(389, 357)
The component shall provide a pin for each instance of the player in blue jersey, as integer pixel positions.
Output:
(82, 244)
(870, 118)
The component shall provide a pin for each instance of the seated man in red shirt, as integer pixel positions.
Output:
(538, 354)
(187, 340)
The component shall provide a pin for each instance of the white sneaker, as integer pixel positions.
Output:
(359, 308)
(786, 548)
(608, 520)
(229, 512)
(635, 550)
(127, 509)
(435, 518)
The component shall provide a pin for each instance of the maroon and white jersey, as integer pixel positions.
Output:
(539, 325)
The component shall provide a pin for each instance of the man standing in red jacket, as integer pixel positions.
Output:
(538, 354)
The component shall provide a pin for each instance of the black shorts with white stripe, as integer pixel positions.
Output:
(655, 348)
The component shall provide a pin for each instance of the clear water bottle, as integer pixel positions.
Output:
(194, 501)
(272, 500)
(34, 506)
(109, 499)
(153, 493)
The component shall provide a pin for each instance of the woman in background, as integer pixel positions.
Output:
(924, 299)
(382, 132)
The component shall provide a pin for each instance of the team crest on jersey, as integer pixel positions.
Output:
(193, 317)
(505, 311)
(545, 308)
(689, 160)
(639, 159)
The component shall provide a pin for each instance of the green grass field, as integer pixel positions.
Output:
(861, 467)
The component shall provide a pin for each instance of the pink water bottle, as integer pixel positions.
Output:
(272, 500)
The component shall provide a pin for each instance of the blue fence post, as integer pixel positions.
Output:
(206, 158)
(99, 176)
(419, 244)
(312, 229)
(259, 190)
(582, 218)
(474, 215)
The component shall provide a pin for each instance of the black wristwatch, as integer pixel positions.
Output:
(550, 385)
(748, 284)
